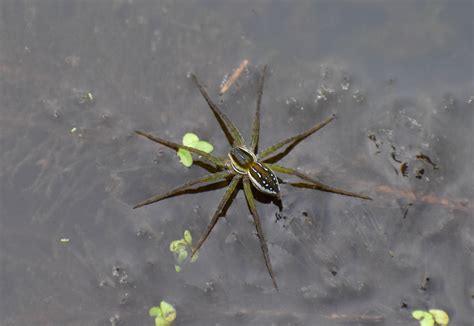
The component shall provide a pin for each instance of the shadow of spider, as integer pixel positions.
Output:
(245, 165)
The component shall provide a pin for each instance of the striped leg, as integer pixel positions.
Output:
(258, 226)
(256, 122)
(208, 157)
(184, 187)
(293, 141)
(232, 133)
(228, 194)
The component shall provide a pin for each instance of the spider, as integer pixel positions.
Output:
(245, 165)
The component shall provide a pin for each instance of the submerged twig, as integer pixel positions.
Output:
(459, 203)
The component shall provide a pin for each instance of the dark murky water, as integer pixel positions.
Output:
(398, 75)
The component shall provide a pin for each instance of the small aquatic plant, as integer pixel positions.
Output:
(432, 317)
(192, 140)
(164, 314)
(180, 250)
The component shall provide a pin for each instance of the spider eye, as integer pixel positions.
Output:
(263, 179)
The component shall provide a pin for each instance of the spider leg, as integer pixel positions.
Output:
(313, 184)
(258, 226)
(293, 141)
(256, 122)
(231, 132)
(228, 194)
(178, 190)
(211, 158)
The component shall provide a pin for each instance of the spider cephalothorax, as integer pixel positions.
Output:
(244, 164)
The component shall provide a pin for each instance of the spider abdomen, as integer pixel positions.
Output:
(263, 179)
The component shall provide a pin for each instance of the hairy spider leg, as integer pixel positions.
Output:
(232, 133)
(293, 141)
(186, 186)
(258, 226)
(313, 184)
(256, 122)
(227, 195)
(209, 157)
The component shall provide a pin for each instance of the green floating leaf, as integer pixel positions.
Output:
(188, 238)
(440, 316)
(169, 313)
(418, 314)
(178, 245)
(185, 157)
(203, 146)
(427, 321)
(183, 254)
(155, 312)
(177, 268)
(425, 318)
(159, 321)
(192, 140)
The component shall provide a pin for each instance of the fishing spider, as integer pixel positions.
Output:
(244, 164)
